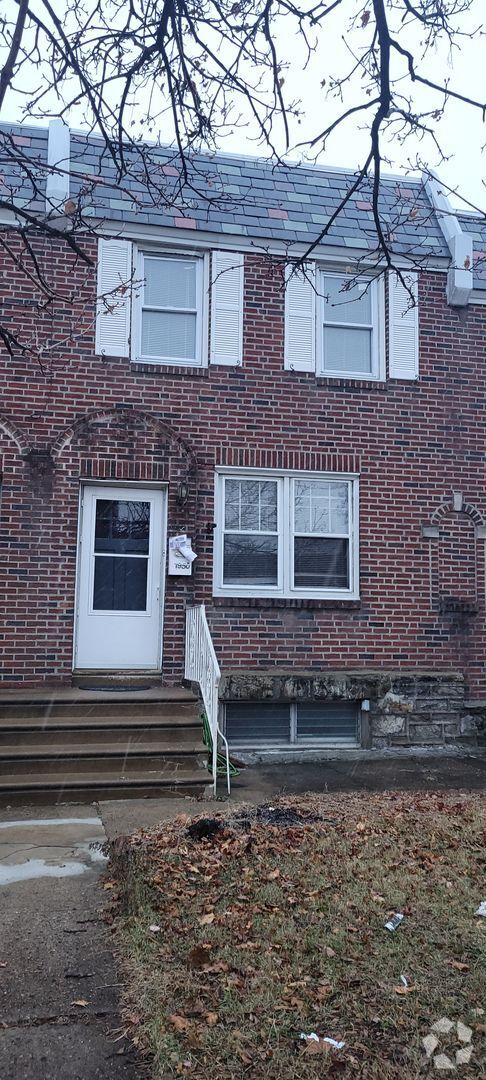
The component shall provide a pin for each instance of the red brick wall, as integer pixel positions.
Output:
(413, 444)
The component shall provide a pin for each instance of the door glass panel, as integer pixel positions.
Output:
(120, 584)
(122, 528)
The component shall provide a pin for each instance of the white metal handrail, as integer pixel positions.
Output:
(201, 666)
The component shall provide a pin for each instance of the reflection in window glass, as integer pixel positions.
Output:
(343, 304)
(251, 505)
(122, 527)
(320, 507)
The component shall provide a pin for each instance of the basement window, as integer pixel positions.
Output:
(280, 724)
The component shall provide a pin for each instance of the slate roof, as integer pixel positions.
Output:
(237, 197)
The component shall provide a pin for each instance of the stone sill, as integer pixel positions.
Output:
(272, 602)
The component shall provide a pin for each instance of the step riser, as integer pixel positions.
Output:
(98, 738)
(68, 795)
(123, 710)
(117, 765)
(78, 746)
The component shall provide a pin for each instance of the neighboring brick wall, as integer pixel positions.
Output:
(413, 443)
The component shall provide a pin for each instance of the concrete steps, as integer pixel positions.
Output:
(76, 743)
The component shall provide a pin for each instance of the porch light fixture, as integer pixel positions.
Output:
(182, 492)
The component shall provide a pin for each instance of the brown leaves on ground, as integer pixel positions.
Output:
(269, 931)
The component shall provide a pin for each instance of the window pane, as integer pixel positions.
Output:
(122, 527)
(339, 508)
(169, 335)
(345, 305)
(250, 560)
(335, 722)
(170, 283)
(120, 584)
(320, 563)
(254, 723)
(251, 504)
(311, 506)
(347, 350)
(320, 506)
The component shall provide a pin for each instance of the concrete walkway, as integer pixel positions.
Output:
(417, 770)
(55, 950)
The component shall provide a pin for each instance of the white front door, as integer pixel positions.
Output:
(120, 578)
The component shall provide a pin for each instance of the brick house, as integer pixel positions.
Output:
(322, 449)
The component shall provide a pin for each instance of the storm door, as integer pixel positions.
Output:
(120, 582)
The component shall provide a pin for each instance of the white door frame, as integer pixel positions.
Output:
(132, 485)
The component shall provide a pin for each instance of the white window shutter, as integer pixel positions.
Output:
(300, 319)
(113, 297)
(227, 271)
(403, 331)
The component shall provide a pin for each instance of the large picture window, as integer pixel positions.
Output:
(286, 535)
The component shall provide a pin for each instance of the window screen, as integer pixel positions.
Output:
(337, 722)
(247, 722)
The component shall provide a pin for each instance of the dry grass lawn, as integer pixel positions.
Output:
(235, 945)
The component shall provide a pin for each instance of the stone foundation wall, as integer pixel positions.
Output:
(413, 708)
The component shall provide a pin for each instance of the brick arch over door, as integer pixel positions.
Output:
(133, 446)
(124, 445)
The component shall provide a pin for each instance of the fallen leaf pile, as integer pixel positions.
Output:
(269, 931)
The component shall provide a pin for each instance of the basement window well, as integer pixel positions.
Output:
(280, 724)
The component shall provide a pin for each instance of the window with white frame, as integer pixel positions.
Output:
(169, 317)
(351, 338)
(286, 534)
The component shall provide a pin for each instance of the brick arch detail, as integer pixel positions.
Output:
(15, 434)
(448, 508)
(452, 508)
(96, 416)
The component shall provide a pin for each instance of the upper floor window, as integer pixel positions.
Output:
(153, 304)
(286, 535)
(352, 332)
(335, 325)
(169, 328)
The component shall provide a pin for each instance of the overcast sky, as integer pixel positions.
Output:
(462, 132)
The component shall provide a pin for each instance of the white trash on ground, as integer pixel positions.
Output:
(394, 922)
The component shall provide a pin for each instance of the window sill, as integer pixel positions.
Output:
(369, 381)
(303, 603)
(151, 366)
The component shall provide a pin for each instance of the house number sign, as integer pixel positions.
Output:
(181, 555)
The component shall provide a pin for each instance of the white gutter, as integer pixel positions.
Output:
(460, 274)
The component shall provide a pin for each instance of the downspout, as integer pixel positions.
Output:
(58, 160)
(460, 273)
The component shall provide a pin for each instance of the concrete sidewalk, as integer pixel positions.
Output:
(55, 950)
